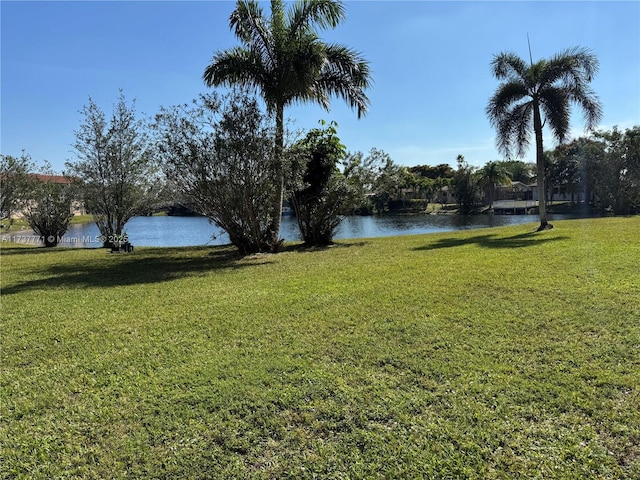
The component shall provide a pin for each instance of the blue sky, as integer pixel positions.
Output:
(430, 63)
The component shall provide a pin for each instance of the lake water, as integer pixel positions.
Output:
(164, 231)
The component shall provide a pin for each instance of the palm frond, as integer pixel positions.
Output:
(508, 65)
(555, 83)
(247, 21)
(521, 119)
(298, 68)
(501, 101)
(554, 103)
(278, 25)
(572, 70)
(494, 173)
(349, 62)
(340, 85)
(589, 103)
(513, 129)
(307, 14)
(235, 66)
(345, 74)
(286, 60)
(249, 25)
(575, 64)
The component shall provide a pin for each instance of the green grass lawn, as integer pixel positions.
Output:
(494, 353)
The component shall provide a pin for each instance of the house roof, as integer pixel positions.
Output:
(515, 185)
(51, 178)
(519, 185)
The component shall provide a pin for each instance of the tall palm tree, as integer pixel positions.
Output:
(284, 58)
(547, 87)
(492, 175)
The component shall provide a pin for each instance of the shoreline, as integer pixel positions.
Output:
(353, 227)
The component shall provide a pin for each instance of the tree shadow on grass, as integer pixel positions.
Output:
(522, 240)
(302, 248)
(140, 267)
(143, 266)
(26, 249)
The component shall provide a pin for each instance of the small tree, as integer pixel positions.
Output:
(426, 186)
(518, 171)
(391, 181)
(13, 183)
(564, 170)
(114, 167)
(363, 171)
(443, 170)
(491, 176)
(219, 155)
(48, 211)
(377, 177)
(322, 195)
(431, 180)
(465, 185)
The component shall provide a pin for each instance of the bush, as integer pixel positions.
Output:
(219, 156)
(48, 212)
(322, 196)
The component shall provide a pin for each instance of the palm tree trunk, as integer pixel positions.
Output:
(279, 179)
(542, 194)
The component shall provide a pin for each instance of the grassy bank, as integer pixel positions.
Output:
(18, 224)
(494, 353)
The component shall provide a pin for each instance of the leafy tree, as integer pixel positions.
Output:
(465, 186)
(606, 166)
(547, 87)
(364, 170)
(114, 167)
(283, 57)
(362, 173)
(564, 169)
(49, 209)
(617, 173)
(430, 180)
(219, 155)
(441, 183)
(443, 170)
(323, 194)
(379, 179)
(13, 182)
(492, 175)
(391, 181)
(518, 170)
(595, 170)
(426, 187)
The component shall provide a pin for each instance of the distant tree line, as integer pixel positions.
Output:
(601, 170)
